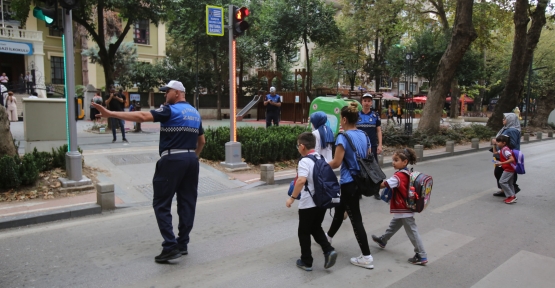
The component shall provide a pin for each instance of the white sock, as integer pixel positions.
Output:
(368, 257)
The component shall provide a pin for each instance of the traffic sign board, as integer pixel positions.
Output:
(214, 20)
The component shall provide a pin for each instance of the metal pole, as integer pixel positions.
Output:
(528, 92)
(73, 157)
(2, 13)
(196, 82)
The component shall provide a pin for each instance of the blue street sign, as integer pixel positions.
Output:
(214, 20)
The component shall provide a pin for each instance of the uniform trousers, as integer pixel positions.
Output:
(176, 174)
(272, 116)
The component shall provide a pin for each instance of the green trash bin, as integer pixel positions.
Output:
(332, 107)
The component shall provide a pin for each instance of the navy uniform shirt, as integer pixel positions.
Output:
(369, 123)
(275, 99)
(180, 126)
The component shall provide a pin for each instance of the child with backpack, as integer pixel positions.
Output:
(507, 178)
(310, 216)
(400, 184)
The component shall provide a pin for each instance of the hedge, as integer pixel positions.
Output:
(16, 171)
(395, 137)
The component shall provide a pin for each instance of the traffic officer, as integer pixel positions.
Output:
(181, 141)
(273, 106)
(369, 121)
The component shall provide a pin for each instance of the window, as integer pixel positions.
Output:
(57, 68)
(140, 33)
(57, 29)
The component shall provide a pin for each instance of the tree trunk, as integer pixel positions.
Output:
(377, 71)
(524, 44)
(546, 104)
(463, 34)
(455, 95)
(307, 82)
(6, 140)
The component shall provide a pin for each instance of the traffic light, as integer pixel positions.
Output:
(239, 23)
(48, 13)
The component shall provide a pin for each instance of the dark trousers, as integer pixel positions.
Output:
(272, 116)
(29, 87)
(399, 117)
(350, 202)
(374, 150)
(498, 171)
(310, 223)
(176, 174)
(115, 123)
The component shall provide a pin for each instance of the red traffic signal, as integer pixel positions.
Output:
(239, 23)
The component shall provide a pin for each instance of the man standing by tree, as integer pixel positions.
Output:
(369, 121)
(273, 105)
(115, 103)
(181, 141)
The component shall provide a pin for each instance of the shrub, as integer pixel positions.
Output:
(43, 160)
(395, 137)
(28, 171)
(9, 176)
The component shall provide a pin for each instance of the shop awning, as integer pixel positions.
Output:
(389, 96)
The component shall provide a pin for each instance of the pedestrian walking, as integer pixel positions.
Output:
(3, 95)
(324, 135)
(369, 121)
(511, 128)
(21, 84)
(506, 158)
(273, 107)
(29, 82)
(399, 114)
(181, 142)
(98, 100)
(390, 114)
(310, 216)
(4, 80)
(400, 184)
(115, 103)
(349, 192)
(11, 106)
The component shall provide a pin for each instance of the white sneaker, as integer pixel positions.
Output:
(329, 238)
(363, 261)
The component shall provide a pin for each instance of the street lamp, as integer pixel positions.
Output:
(528, 90)
(409, 95)
(339, 64)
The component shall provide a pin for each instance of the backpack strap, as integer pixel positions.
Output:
(313, 158)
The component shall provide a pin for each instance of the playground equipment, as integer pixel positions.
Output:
(332, 107)
(247, 108)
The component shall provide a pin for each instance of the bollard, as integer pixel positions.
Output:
(450, 147)
(475, 143)
(419, 149)
(380, 160)
(105, 196)
(539, 136)
(550, 134)
(267, 173)
(526, 137)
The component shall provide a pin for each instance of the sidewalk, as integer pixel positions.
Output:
(130, 169)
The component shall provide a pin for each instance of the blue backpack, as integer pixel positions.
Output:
(518, 165)
(327, 191)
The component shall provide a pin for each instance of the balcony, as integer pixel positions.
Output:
(19, 34)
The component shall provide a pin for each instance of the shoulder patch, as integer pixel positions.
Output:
(159, 110)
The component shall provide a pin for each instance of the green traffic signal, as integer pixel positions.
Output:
(45, 14)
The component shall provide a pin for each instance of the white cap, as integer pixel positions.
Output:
(367, 95)
(173, 85)
(272, 89)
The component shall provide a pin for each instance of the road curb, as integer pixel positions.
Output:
(288, 179)
(49, 216)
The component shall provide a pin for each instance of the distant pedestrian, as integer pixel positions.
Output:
(177, 170)
(21, 84)
(390, 114)
(273, 107)
(511, 128)
(34, 95)
(345, 158)
(29, 82)
(400, 184)
(506, 158)
(115, 103)
(11, 105)
(4, 80)
(399, 114)
(324, 135)
(3, 95)
(98, 100)
(310, 216)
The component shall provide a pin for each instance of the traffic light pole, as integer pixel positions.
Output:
(73, 157)
(233, 159)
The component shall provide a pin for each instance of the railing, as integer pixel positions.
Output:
(14, 33)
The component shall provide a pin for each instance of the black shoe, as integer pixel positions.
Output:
(499, 194)
(379, 241)
(417, 260)
(303, 266)
(183, 250)
(377, 196)
(114, 141)
(168, 255)
(125, 141)
(330, 259)
(517, 189)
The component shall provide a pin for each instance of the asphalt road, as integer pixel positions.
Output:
(248, 239)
